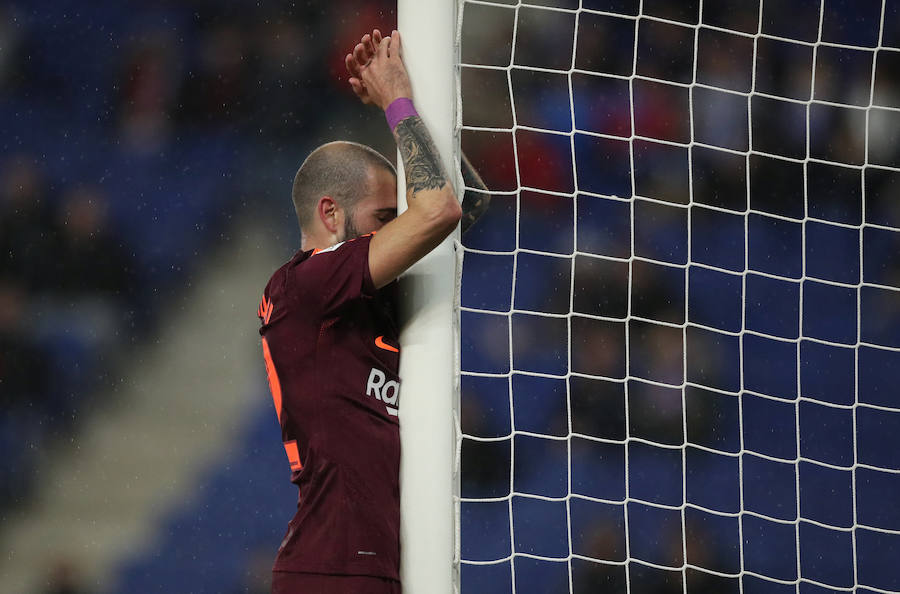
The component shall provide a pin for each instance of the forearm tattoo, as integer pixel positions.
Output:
(421, 160)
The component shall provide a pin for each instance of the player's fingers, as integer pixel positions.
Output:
(376, 37)
(369, 45)
(359, 52)
(352, 66)
(364, 97)
(358, 87)
(396, 44)
(384, 46)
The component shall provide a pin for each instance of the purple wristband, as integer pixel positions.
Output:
(399, 110)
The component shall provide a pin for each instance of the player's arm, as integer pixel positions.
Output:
(378, 76)
(476, 198)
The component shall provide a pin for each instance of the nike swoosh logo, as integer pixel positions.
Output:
(379, 342)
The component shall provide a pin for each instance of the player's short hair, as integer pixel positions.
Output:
(336, 169)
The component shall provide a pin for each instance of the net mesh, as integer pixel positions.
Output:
(681, 315)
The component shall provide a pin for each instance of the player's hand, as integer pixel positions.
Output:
(360, 57)
(377, 73)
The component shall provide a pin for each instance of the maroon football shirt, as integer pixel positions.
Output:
(331, 352)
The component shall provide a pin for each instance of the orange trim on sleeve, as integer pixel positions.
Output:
(264, 311)
(274, 384)
(268, 311)
(293, 454)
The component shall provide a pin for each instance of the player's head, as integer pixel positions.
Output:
(343, 190)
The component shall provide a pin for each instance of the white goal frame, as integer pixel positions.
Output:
(429, 368)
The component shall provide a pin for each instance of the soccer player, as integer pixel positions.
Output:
(330, 336)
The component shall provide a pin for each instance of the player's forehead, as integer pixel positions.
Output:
(378, 203)
(382, 190)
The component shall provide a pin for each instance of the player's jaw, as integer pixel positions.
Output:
(350, 230)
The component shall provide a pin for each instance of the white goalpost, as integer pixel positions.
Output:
(428, 366)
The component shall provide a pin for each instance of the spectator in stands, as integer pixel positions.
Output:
(24, 374)
(26, 223)
(90, 258)
(87, 307)
(10, 39)
(23, 371)
(148, 84)
(218, 92)
(287, 51)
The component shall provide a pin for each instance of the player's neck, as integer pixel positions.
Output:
(318, 241)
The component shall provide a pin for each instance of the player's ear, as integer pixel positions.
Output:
(327, 211)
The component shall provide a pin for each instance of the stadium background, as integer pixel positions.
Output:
(147, 159)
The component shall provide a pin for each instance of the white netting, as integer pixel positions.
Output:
(681, 316)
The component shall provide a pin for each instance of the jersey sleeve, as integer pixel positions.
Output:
(336, 275)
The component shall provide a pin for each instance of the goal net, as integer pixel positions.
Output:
(680, 318)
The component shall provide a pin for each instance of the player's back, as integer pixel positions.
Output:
(330, 341)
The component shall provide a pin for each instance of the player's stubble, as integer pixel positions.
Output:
(350, 230)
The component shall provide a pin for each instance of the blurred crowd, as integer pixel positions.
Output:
(134, 133)
(68, 289)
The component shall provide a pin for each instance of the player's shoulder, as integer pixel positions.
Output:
(281, 273)
(325, 260)
(301, 279)
(278, 282)
(356, 244)
(279, 288)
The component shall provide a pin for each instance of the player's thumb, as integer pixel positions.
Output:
(396, 45)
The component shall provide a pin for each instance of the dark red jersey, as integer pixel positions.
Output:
(331, 352)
